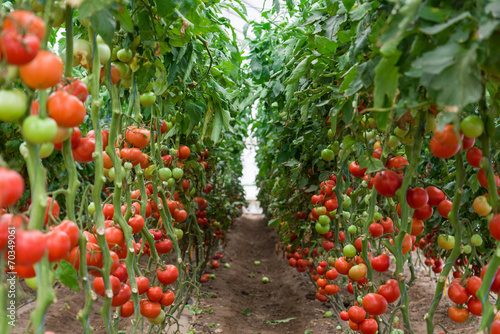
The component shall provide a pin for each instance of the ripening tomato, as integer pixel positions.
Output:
(43, 72)
(381, 263)
(374, 304)
(168, 275)
(458, 314)
(436, 195)
(386, 183)
(66, 109)
(417, 197)
(481, 206)
(356, 272)
(390, 291)
(12, 187)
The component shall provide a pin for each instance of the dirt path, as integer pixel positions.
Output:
(240, 288)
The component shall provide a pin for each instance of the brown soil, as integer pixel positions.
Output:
(239, 290)
(289, 295)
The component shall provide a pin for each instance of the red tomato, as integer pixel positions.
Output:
(167, 299)
(58, 245)
(374, 304)
(83, 152)
(381, 263)
(386, 183)
(376, 230)
(444, 208)
(494, 226)
(26, 22)
(137, 223)
(43, 72)
(436, 195)
(100, 288)
(184, 152)
(12, 185)
(139, 137)
(18, 49)
(443, 151)
(369, 326)
(127, 309)
(473, 284)
(155, 293)
(473, 156)
(355, 170)
(390, 290)
(356, 314)
(122, 297)
(423, 213)
(417, 197)
(458, 314)
(458, 294)
(30, 246)
(168, 275)
(66, 109)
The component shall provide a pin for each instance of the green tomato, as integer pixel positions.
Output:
(349, 250)
(324, 220)
(124, 55)
(360, 300)
(472, 126)
(347, 215)
(178, 233)
(369, 135)
(128, 165)
(339, 328)
(212, 276)
(23, 149)
(400, 132)
(328, 314)
(446, 241)
(125, 71)
(352, 229)
(111, 174)
(327, 154)
(177, 173)
(321, 229)
(31, 282)
(170, 182)
(431, 123)
(158, 320)
(148, 172)
(265, 280)
(91, 208)
(227, 265)
(46, 150)
(38, 130)
(256, 262)
(164, 174)
(346, 201)
(192, 192)
(148, 99)
(13, 105)
(331, 134)
(476, 240)
(467, 249)
(393, 141)
(377, 216)
(104, 53)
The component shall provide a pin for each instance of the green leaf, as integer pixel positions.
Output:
(460, 84)
(125, 19)
(89, 8)
(493, 8)
(435, 61)
(304, 110)
(358, 12)
(348, 4)
(324, 45)
(217, 126)
(432, 30)
(386, 82)
(226, 118)
(67, 275)
(349, 76)
(299, 71)
(104, 25)
(372, 164)
(434, 14)
(256, 66)
(276, 5)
